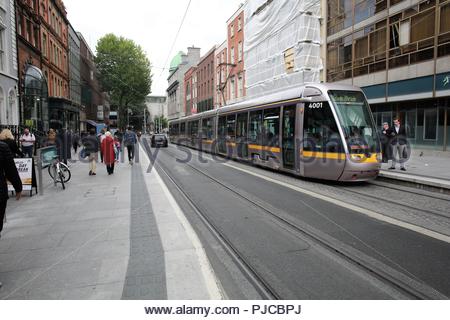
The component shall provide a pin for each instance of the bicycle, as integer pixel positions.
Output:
(59, 172)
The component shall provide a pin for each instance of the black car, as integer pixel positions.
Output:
(159, 140)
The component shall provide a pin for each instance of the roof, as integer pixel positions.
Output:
(176, 61)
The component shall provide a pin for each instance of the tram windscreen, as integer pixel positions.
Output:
(356, 121)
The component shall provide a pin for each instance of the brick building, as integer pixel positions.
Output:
(190, 91)
(221, 74)
(236, 70)
(206, 83)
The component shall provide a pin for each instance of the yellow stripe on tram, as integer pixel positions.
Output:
(263, 148)
(340, 156)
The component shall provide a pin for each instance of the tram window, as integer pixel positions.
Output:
(222, 128)
(320, 130)
(207, 129)
(193, 128)
(231, 127)
(254, 134)
(183, 129)
(241, 127)
(271, 127)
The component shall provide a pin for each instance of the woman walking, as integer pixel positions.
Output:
(109, 156)
(90, 144)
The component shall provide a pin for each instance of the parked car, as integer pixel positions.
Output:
(159, 140)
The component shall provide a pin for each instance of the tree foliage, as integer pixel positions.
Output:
(124, 72)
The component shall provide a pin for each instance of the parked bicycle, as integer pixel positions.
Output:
(59, 172)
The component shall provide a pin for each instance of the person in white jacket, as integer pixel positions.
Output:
(27, 140)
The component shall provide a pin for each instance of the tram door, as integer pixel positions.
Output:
(322, 154)
(288, 138)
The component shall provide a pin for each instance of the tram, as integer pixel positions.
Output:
(324, 131)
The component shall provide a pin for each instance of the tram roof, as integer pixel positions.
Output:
(285, 95)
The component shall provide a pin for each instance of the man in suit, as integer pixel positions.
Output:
(8, 171)
(398, 144)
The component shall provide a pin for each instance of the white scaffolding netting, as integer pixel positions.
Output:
(271, 29)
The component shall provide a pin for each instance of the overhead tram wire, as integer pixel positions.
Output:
(176, 36)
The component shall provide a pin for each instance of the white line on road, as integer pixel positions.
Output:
(369, 213)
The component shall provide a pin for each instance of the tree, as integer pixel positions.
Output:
(160, 122)
(124, 72)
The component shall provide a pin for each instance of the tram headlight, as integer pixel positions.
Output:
(357, 157)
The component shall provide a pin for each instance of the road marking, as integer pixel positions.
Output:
(367, 212)
(211, 282)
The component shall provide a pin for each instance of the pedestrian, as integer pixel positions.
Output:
(398, 145)
(75, 142)
(385, 142)
(118, 147)
(100, 137)
(109, 157)
(130, 140)
(8, 171)
(27, 139)
(51, 138)
(7, 137)
(91, 146)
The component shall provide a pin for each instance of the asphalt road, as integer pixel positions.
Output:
(295, 265)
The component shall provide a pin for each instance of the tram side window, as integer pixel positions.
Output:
(222, 128)
(255, 130)
(193, 129)
(320, 130)
(176, 128)
(271, 127)
(241, 126)
(183, 129)
(207, 129)
(231, 127)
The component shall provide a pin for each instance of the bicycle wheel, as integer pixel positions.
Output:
(65, 171)
(61, 179)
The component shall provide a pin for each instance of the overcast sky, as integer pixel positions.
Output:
(153, 24)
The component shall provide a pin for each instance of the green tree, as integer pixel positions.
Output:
(160, 120)
(124, 72)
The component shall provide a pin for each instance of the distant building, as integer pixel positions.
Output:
(75, 75)
(190, 91)
(9, 104)
(206, 83)
(399, 53)
(236, 65)
(175, 91)
(221, 74)
(156, 107)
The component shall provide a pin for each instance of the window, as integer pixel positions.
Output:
(207, 129)
(445, 18)
(430, 123)
(232, 55)
(361, 47)
(233, 88)
(2, 50)
(378, 41)
(422, 25)
(231, 128)
(44, 44)
(241, 127)
(255, 128)
(240, 51)
(404, 32)
(271, 127)
(241, 85)
(232, 31)
(239, 24)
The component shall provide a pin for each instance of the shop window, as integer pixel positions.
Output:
(430, 124)
(410, 123)
(422, 25)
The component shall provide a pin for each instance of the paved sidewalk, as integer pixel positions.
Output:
(100, 239)
(424, 167)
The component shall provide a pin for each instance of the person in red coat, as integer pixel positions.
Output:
(109, 155)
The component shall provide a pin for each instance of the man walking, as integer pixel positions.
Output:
(398, 144)
(8, 172)
(130, 140)
(27, 139)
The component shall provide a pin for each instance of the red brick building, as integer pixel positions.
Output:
(206, 83)
(190, 92)
(236, 77)
(221, 74)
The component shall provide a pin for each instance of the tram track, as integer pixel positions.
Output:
(406, 284)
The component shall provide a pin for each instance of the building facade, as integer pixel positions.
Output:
(190, 91)
(398, 51)
(206, 83)
(221, 74)
(9, 104)
(156, 107)
(33, 88)
(93, 100)
(236, 90)
(175, 91)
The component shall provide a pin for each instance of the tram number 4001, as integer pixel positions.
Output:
(316, 105)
